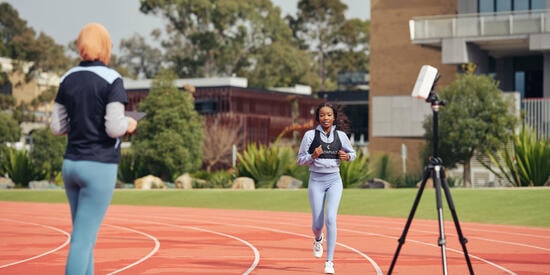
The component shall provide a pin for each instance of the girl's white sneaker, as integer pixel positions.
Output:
(329, 267)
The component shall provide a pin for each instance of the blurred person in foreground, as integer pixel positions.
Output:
(322, 149)
(89, 108)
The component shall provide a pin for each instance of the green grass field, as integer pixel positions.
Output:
(510, 206)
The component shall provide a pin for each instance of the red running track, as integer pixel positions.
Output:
(168, 240)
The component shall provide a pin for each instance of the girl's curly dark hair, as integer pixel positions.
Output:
(340, 120)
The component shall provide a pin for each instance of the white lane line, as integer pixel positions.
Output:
(190, 216)
(433, 245)
(448, 234)
(453, 234)
(151, 253)
(252, 247)
(67, 241)
(372, 262)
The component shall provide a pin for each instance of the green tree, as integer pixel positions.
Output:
(477, 117)
(47, 152)
(7, 102)
(140, 58)
(9, 132)
(10, 27)
(20, 42)
(317, 25)
(281, 65)
(169, 139)
(352, 56)
(226, 37)
(9, 129)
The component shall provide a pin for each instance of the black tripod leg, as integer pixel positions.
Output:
(441, 242)
(461, 237)
(401, 240)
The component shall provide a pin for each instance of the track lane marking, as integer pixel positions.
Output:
(67, 241)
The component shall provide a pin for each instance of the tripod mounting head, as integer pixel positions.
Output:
(435, 161)
(433, 97)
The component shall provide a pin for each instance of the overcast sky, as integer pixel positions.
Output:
(63, 19)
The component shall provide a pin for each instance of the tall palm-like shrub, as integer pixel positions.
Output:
(525, 163)
(355, 173)
(20, 168)
(262, 163)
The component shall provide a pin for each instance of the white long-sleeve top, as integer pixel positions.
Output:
(115, 121)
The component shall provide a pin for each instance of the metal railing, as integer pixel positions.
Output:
(537, 115)
(479, 24)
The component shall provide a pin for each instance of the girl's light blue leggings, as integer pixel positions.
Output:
(89, 188)
(325, 192)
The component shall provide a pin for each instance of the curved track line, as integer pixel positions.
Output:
(252, 247)
(411, 240)
(67, 241)
(256, 252)
(433, 245)
(421, 225)
(155, 249)
(372, 262)
(452, 234)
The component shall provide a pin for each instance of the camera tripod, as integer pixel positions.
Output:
(436, 171)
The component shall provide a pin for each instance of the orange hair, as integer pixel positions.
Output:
(94, 43)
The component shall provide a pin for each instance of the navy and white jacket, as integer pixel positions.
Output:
(89, 107)
(324, 165)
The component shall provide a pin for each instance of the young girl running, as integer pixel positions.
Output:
(322, 149)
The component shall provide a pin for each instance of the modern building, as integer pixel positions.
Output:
(509, 39)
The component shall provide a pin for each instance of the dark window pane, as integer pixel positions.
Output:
(504, 5)
(486, 6)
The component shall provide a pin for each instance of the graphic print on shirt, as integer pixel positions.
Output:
(330, 150)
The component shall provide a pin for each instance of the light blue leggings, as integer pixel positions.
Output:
(89, 188)
(325, 192)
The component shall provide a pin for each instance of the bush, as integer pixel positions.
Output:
(217, 179)
(128, 168)
(525, 163)
(266, 164)
(356, 172)
(409, 180)
(20, 168)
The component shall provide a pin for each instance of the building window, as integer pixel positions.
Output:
(206, 106)
(509, 5)
(486, 6)
(504, 5)
(521, 5)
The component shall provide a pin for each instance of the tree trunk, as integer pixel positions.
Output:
(467, 173)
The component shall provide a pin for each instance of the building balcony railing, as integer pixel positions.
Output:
(536, 114)
(479, 25)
